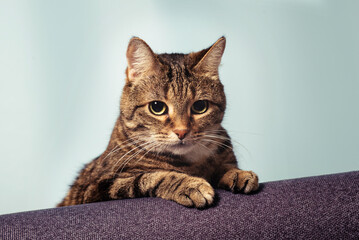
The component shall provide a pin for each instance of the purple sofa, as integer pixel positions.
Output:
(323, 207)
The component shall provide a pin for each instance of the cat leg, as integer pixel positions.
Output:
(181, 188)
(237, 180)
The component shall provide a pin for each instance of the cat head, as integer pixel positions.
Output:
(171, 101)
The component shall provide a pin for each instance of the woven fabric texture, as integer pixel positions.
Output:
(323, 207)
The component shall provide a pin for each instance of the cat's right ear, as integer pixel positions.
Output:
(140, 59)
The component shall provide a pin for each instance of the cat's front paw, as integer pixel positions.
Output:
(195, 192)
(237, 180)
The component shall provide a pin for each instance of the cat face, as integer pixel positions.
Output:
(171, 101)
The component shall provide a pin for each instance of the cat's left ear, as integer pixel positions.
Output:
(211, 58)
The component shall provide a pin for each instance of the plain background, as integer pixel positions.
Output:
(290, 71)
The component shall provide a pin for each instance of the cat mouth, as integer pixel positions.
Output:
(181, 147)
(181, 144)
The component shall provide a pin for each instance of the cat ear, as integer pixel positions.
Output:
(211, 58)
(140, 59)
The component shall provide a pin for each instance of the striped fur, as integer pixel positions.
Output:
(145, 156)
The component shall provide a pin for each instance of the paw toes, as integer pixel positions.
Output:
(251, 183)
(184, 200)
(208, 193)
(202, 196)
(199, 195)
(245, 182)
(197, 198)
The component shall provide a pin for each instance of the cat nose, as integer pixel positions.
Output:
(181, 133)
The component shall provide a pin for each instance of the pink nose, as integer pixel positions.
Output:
(181, 133)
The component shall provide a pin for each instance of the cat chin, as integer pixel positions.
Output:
(197, 154)
(190, 152)
(181, 149)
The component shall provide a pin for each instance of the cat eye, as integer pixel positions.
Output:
(157, 107)
(199, 107)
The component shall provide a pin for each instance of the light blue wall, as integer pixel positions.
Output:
(290, 70)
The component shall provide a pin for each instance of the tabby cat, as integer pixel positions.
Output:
(168, 141)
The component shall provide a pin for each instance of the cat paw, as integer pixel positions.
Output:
(195, 192)
(237, 180)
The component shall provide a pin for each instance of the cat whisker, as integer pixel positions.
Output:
(116, 148)
(113, 149)
(204, 146)
(214, 130)
(119, 147)
(229, 139)
(152, 147)
(218, 137)
(241, 132)
(133, 149)
(126, 142)
(139, 150)
(223, 138)
(216, 142)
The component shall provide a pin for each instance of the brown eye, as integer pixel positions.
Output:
(157, 107)
(199, 107)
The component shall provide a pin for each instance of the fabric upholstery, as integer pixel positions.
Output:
(322, 207)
